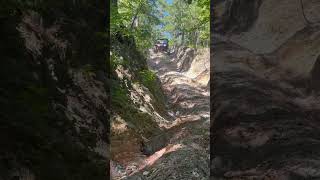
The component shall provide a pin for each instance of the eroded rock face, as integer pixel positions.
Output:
(235, 15)
(200, 67)
(265, 117)
(184, 58)
(53, 96)
(315, 74)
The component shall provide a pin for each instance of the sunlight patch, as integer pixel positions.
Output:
(118, 125)
(157, 155)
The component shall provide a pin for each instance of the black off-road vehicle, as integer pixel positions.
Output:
(161, 45)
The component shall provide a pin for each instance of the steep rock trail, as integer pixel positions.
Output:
(186, 154)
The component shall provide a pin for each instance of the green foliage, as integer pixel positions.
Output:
(136, 18)
(122, 104)
(117, 60)
(188, 22)
(148, 79)
(119, 94)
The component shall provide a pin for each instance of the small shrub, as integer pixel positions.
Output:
(148, 79)
(119, 95)
(117, 60)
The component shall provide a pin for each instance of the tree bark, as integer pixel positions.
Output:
(197, 39)
(136, 15)
(182, 38)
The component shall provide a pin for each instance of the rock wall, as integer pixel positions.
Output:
(200, 67)
(193, 63)
(264, 99)
(234, 15)
(54, 100)
(184, 57)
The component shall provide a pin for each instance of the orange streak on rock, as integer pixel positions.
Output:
(157, 155)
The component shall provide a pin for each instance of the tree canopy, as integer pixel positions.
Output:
(184, 22)
(188, 21)
(137, 18)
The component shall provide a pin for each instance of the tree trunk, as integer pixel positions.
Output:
(182, 38)
(136, 15)
(197, 39)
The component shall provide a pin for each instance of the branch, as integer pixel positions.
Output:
(136, 15)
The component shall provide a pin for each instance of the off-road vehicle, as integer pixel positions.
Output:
(161, 45)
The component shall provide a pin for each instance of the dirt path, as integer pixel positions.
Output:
(187, 154)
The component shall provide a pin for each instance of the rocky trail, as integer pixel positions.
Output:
(185, 154)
